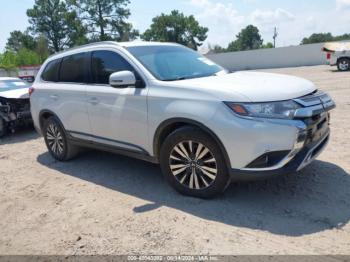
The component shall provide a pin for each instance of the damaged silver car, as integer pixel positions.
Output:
(14, 105)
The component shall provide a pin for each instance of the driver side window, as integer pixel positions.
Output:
(104, 63)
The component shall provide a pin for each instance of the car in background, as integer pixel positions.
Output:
(338, 54)
(14, 104)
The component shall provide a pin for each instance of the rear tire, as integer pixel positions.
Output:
(193, 163)
(56, 141)
(3, 127)
(343, 64)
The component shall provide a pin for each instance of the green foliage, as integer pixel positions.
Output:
(324, 37)
(27, 57)
(59, 25)
(342, 37)
(217, 49)
(267, 45)
(176, 28)
(18, 40)
(105, 19)
(10, 59)
(248, 39)
(317, 38)
(42, 48)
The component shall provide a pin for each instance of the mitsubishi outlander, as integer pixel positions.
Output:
(167, 104)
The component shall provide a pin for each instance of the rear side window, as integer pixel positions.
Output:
(50, 73)
(104, 63)
(73, 68)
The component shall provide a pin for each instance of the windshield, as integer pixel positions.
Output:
(6, 85)
(170, 63)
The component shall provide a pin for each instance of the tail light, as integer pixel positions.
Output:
(329, 56)
(31, 90)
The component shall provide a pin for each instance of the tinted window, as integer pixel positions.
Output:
(73, 68)
(51, 71)
(104, 63)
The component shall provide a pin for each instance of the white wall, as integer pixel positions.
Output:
(304, 55)
(8, 73)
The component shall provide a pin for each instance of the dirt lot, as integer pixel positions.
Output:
(107, 204)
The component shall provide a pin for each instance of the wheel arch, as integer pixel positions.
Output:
(342, 57)
(46, 114)
(170, 125)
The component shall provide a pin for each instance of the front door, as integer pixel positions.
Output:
(118, 116)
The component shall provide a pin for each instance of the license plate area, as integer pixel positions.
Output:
(318, 129)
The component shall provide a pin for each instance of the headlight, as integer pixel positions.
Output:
(282, 109)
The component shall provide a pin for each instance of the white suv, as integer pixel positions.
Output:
(167, 104)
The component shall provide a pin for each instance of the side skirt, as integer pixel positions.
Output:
(113, 149)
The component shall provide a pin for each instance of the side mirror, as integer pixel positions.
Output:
(122, 79)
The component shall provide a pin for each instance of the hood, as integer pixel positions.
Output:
(254, 86)
(19, 93)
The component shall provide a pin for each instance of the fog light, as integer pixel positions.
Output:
(268, 159)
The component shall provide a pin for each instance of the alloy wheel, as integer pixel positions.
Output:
(193, 165)
(55, 139)
(344, 65)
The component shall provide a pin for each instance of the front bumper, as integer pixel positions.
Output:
(311, 139)
(302, 159)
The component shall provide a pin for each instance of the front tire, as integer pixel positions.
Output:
(193, 163)
(56, 141)
(343, 64)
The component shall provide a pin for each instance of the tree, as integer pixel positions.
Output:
(26, 57)
(342, 37)
(105, 19)
(216, 49)
(267, 45)
(60, 26)
(42, 48)
(177, 28)
(317, 38)
(248, 39)
(8, 60)
(19, 40)
(324, 37)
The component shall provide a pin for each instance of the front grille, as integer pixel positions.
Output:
(314, 105)
(312, 99)
(317, 128)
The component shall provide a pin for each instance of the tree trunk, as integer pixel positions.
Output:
(100, 18)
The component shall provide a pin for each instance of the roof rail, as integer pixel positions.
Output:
(86, 45)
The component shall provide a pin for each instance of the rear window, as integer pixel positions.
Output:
(73, 68)
(50, 73)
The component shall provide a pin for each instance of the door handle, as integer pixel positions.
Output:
(93, 100)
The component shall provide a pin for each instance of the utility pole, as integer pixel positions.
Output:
(275, 37)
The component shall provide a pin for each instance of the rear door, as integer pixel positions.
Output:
(69, 95)
(118, 116)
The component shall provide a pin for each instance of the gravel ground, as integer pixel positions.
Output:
(106, 204)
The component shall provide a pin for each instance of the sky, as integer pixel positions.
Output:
(224, 18)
